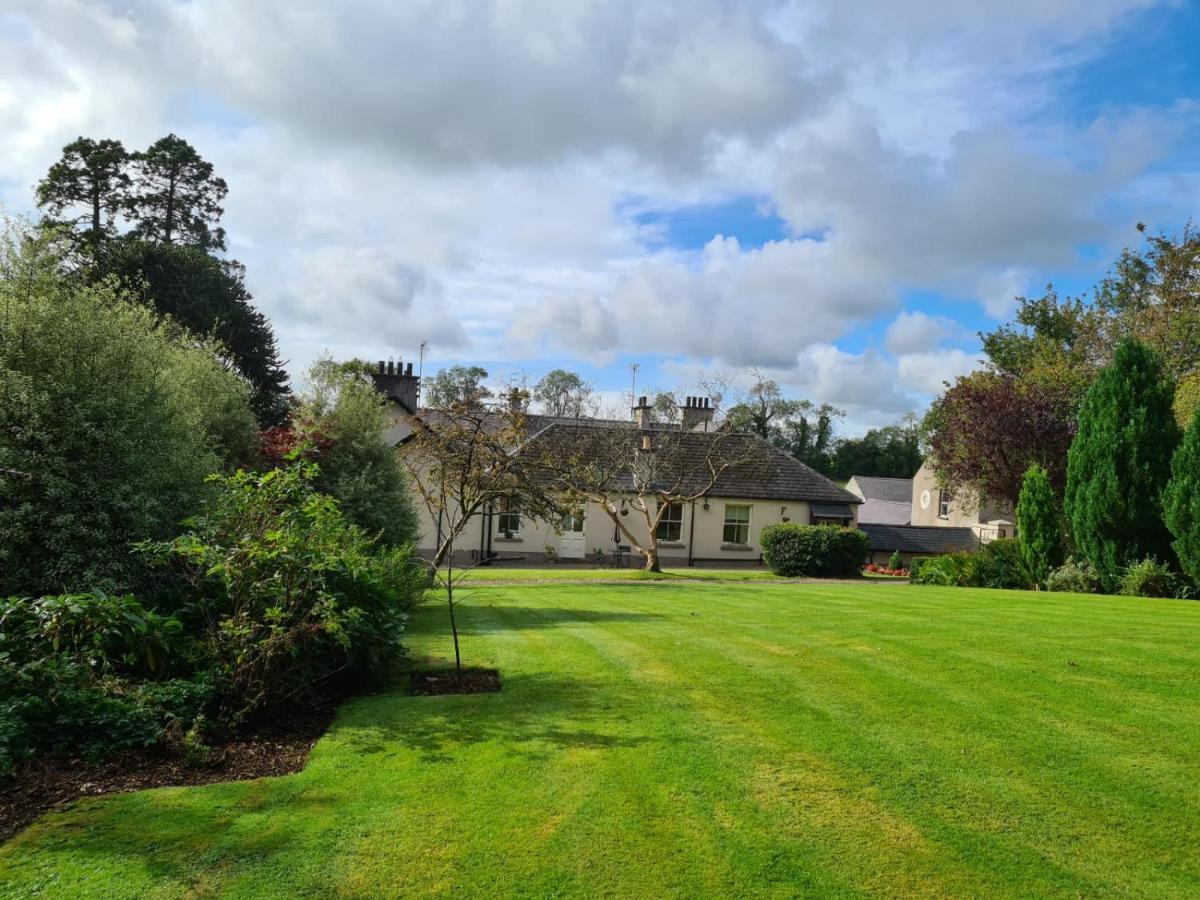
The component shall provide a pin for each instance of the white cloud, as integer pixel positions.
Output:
(914, 332)
(927, 373)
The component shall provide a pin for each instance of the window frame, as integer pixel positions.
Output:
(667, 522)
(509, 513)
(944, 498)
(737, 524)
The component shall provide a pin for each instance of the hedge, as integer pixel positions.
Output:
(814, 550)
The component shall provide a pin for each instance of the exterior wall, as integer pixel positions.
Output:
(989, 521)
(704, 538)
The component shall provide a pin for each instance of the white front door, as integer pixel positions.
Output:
(570, 534)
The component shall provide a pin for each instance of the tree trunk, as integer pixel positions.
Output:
(653, 563)
(453, 623)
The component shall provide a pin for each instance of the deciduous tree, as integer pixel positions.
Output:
(457, 386)
(562, 393)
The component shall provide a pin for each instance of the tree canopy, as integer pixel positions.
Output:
(562, 393)
(177, 197)
(87, 189)
(1181, 500)
(457, 386)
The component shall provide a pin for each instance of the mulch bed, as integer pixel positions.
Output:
(40, 785)
(445, 681)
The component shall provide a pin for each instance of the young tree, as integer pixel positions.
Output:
(764, 411)
(86, 189)
(1181, 500)
(990, 427)
(177, 198)
(1039, 525)
(465, 460)
(208, 297)
(344, 416)
(457, 386)
(563, 394)
(647, 472)
(1119, 463)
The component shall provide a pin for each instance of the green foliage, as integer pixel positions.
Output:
(346, 417)
(917, 564)
(109, 424)
(1181, 500)
(290, 599)
(896, 560)
(893, 451)
(1039, 525)
(86, 189)
(562, 393)
(74, 673)
(208, 297)
(793, 550)
(947, 570)
(1119, 463)
(1074, 576)
(176, 197)
(1149, 578)
(995, 565)
(457, 386)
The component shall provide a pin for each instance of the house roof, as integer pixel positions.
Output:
(885, 512)
(758, 469)
(920, 538)
(892, 490)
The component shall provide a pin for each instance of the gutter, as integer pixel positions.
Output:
(692, 537)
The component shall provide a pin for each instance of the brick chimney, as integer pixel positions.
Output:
(397, 382)
(697, 414)
(641, 413)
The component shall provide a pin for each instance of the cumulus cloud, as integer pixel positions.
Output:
(454, 171)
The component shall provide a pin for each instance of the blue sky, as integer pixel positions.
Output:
(840, 196)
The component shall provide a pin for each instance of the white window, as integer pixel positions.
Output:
(670, 526)
(737, 524)
(944, 504)
(508, 523)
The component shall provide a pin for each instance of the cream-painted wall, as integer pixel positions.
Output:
(964, 510)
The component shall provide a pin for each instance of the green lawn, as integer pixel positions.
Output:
(706, 739)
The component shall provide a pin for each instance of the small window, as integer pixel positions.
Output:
(670, 526)
(737, 524)
(508, 523)
(944, 504)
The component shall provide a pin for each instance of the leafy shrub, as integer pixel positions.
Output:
(1039, 525)
(948, 570)
(998, 564)
(1076, 576)
(896, 560)
(814, 550)
(289, 599)
(110, 420)
(1149, 578)
(71, 670)
(917, 563)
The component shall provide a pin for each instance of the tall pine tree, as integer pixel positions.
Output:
(86, 189)
(1181, 500)
(1119, 463)
(177, 198)
(1039, 525)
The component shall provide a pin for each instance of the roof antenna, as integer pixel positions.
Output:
(633, 371)
(420, 372)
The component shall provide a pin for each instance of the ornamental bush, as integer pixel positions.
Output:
(994, 565)
(1039, 525)
(287, 599)
(948, 570)
(896, 560)
(1076, 576)
(792, 550)
(1149, 578)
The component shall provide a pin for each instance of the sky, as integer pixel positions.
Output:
(839, 194)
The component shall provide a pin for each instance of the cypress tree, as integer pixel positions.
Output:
(1039, 529)
(1181, 500)
(1119, 463)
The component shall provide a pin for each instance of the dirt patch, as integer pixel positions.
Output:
(447, 681)
(47, 783)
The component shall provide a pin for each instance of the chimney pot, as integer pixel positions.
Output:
(382, 367)
(408, 370)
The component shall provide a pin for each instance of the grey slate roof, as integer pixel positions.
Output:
(885, 512)
(920, 538)
(762, 472)
(892, 490)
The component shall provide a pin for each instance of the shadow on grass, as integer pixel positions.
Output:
(480, 617)
(534, 716)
